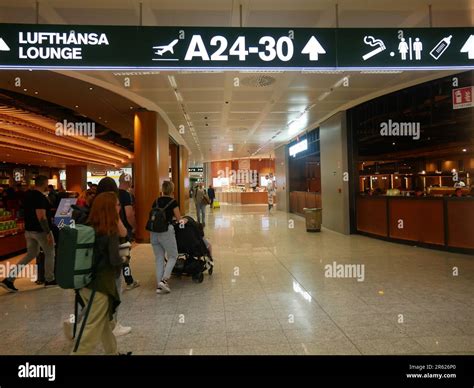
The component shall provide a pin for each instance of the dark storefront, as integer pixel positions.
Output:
(414, 165)
(304, 172)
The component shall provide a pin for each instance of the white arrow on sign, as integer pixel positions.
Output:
(3, 45)
(469, 47)
(313, 48)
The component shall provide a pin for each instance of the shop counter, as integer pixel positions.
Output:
(443, 222)
(246, 198)
(12, 244)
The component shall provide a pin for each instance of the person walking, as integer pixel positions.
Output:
(211, 193)
(104, 218)
(270, 191)
(127, 215)
(200, 201)
(38, 233)
(166, 242)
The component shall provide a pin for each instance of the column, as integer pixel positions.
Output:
(183, 180)
(76, 178)
(175, 169)
(282, 179)
(150, 165)
(334, 163)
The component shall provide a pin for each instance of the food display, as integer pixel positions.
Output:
(8, 225)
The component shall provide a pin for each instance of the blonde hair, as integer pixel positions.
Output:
(167, 188)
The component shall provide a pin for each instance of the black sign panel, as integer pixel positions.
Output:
(127, 47)
(405, 48)
(195, 169)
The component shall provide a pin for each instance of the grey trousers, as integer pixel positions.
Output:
(35, 240)
(164, 243)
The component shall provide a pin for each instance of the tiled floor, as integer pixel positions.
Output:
(269, 295)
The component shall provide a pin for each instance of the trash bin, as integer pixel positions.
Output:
(313, 219)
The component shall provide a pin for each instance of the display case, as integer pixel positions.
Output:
(12, 231)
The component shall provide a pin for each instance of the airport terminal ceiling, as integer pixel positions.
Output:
(255, 111)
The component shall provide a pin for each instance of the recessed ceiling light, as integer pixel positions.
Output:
(131, 107)
(393, 143)
(25, 90)
(100, 118)
(77, 106)
(36, 92)
(91, 88)
(464, 150)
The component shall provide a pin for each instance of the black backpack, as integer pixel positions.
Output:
(157, 221)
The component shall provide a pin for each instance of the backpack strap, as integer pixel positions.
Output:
(84, 321)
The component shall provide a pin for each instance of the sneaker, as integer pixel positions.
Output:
(159, 291)
(135, 284)
(164, 286)
(68, 329)
(52, 283)
(120, 330)
(8, 285)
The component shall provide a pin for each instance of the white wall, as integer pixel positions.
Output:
(334, 190)
(282, 181)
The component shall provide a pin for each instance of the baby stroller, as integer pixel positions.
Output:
(194, 257)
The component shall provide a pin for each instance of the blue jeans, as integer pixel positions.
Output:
(201, 213)
(161, 243)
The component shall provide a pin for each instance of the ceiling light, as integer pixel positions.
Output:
(25, 90)
(260, 71)
(323, 96)
(231, 147)
(178, 96)
(312, 71)
(464, 150)
(36, 92)
(381, 72)
(91, 88)
(77, 106)
(172, 81)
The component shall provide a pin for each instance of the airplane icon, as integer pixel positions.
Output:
(160, 50)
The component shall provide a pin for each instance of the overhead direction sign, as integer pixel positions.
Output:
(127, 47)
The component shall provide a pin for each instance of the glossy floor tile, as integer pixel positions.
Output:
(269, 294)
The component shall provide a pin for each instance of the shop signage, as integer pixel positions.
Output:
(99, 173)
(127, 47)
(299, 147)
(462, 97)
(196, 169)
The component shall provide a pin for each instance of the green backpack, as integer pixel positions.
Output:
(75, 258)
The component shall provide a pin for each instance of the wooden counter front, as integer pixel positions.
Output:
(435, 221)
(255, 198)
(301, 199)
(12, 244)
(460, 222)
(372, 215)
(417, 219)
(250, 198)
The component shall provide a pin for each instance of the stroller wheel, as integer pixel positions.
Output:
(211, 270)
(198, 278)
